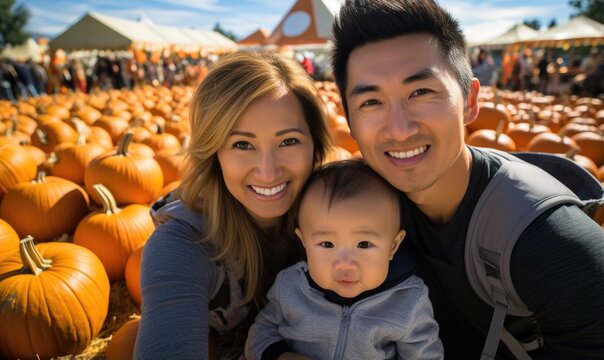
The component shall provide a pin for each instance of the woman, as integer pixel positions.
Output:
(257, 131)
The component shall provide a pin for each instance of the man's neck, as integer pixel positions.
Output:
(441, 201)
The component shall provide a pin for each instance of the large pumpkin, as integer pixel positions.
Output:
(54, 296)
(114, 233)
(45, 208)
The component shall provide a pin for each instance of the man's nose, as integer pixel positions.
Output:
(400, 125)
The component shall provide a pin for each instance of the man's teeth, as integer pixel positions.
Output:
(407, 154)
(269, 191)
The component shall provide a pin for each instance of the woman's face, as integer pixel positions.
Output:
(268, 157)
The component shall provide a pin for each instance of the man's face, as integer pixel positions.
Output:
(407, 111)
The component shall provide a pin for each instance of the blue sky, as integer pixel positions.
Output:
(480, 19)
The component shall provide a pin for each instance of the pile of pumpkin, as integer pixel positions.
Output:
(79, 171)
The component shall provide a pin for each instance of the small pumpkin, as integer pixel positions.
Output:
(494, 139)
(16, 166)
(9, 240)
(132, 275)
(122, 342)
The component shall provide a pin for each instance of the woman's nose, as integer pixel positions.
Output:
(269, 167)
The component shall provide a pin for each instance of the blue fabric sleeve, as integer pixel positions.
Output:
(177, 278)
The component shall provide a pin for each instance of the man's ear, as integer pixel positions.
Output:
(398, 239)
(299, 233)
(471, 110)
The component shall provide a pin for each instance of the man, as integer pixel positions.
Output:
(408, 92)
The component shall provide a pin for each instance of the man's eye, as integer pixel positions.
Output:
(364, 245)
(290, 141)
(421, 92)
(370, 102)
(326, 244)
(242, 145)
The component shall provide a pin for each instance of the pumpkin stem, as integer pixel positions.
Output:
(80, 129)
(572, 152)
(26, 259)
(42, 136)
(107, 198)
(499, 129)
(37, 257)
(40, 177)
(122, 147)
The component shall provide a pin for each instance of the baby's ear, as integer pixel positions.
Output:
(398, 239)
(299, 233)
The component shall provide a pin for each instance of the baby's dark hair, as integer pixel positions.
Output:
(344, 180)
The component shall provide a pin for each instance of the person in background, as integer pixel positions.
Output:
(339, 303)
(484, 68)
(258, 129)
(408, 92)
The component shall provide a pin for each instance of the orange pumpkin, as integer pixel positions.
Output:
(55, 299)
(113, 233)
(488, 117)
(9, 240)
(122, 342)
(16, 166)
(494, 139)
(132, 275)
(522, 133)
(551, 143)
(131, 178)
(592, 146)
(45, 208)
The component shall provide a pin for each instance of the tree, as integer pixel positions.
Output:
(591, 8)
(227, 33)
(552, 23)
(532, 23)
(12, 23)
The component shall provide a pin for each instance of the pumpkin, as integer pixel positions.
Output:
(72, 159)
(337, 153)
(45, 208)
(488, 117)
(583, 161)
(494, 139)
(131, 178)
(113, 233)
(55, 299)
(114, 125)
(48, 136)
(132, 275)
(162, 141)
(122, 342)
(523, 132)
(592, 146)
(172, 162)
(551, 143)
(9, 240)
(16, 166)
(341, 137)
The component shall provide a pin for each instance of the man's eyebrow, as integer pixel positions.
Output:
(420, 75)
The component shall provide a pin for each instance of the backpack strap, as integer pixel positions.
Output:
(516, 195)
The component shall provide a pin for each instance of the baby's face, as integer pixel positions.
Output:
(349, 244)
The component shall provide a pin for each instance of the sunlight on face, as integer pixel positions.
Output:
(349, 244)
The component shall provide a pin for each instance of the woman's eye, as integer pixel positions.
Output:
(364, 245)
(421, 92)
(242, 145)
(326, 244)
(290, 141)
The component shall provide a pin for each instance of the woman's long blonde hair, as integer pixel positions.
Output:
(232, 84)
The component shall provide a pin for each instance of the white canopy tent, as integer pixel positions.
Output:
(96, 31)
(579, 31)
(28, 50)
(515, 34)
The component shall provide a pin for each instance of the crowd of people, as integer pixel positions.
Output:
(541, 71)
(105, 70)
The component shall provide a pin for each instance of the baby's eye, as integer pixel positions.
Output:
(364, 245)
(242, 145)
(326, 244)
(290, 141)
